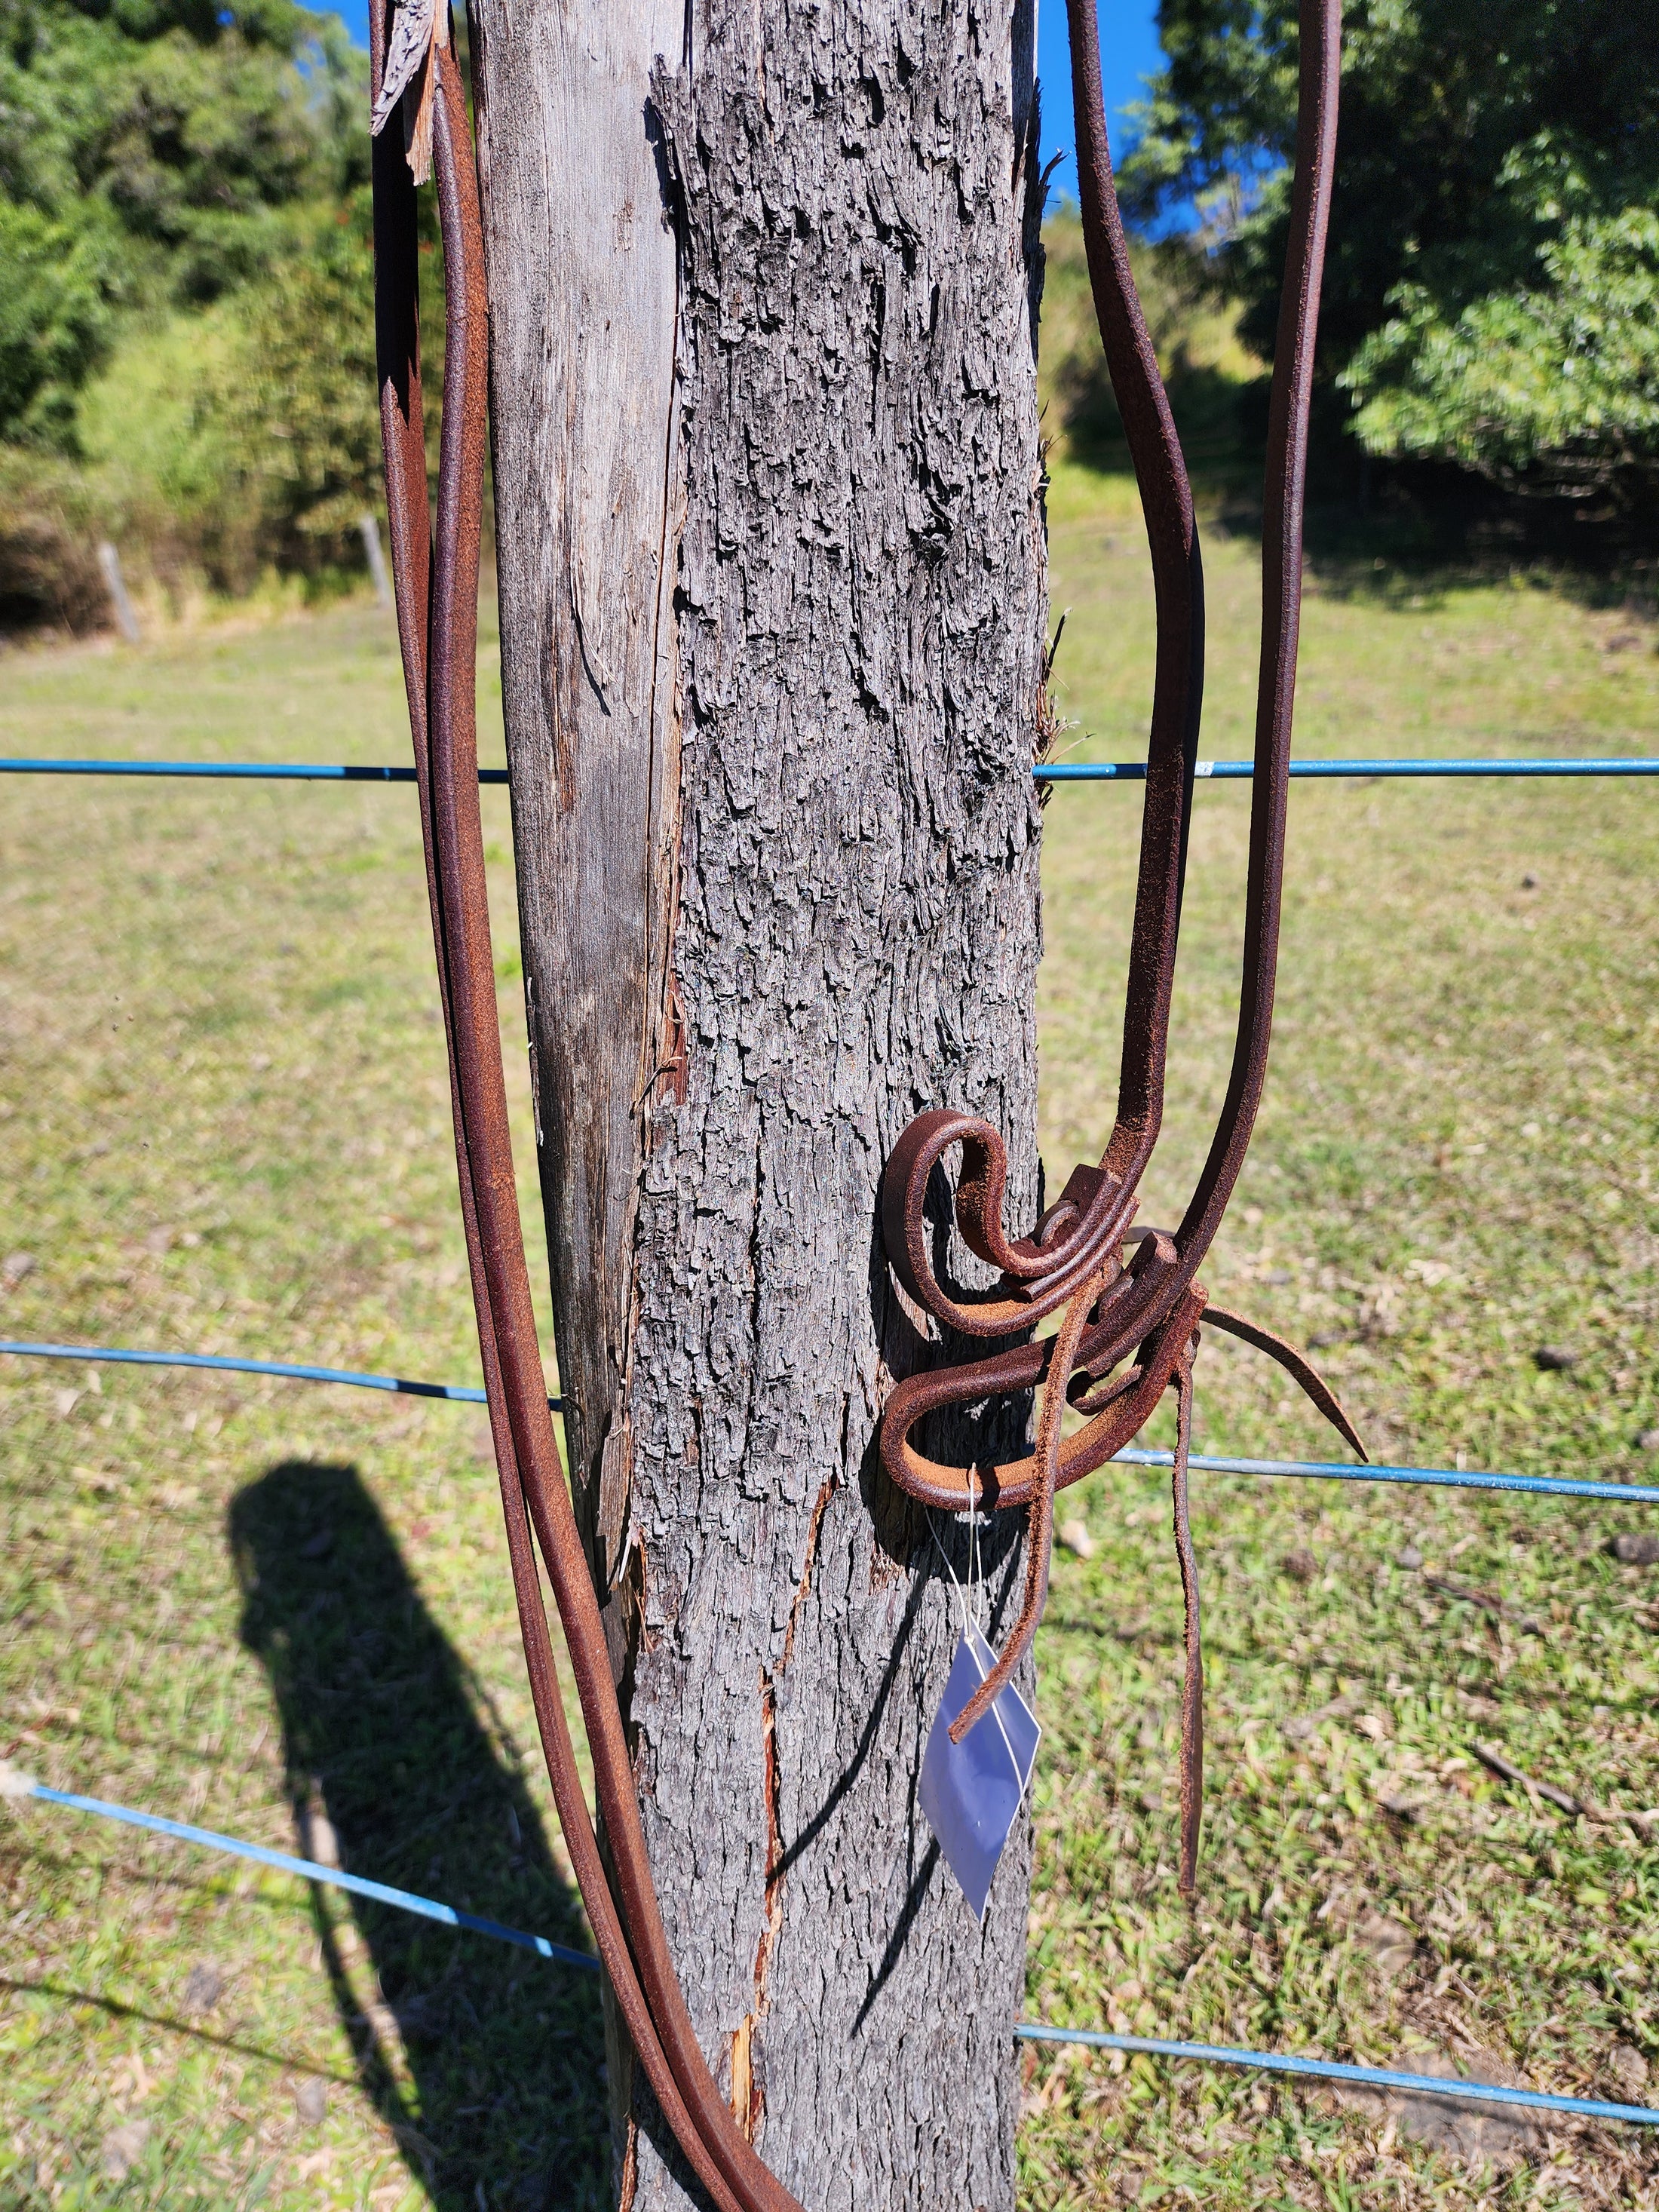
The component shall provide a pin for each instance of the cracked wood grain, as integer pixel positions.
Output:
(771, 546)
(861, 600)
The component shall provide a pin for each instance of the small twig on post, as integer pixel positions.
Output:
(126, 620)
(1644, 1823)
(369, 531)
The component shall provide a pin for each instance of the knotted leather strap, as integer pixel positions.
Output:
(1146, 1307)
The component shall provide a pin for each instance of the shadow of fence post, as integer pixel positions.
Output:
(485, 2062)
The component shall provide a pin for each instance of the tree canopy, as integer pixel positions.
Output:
(1494, 261)
(153, 153)
(186, 335)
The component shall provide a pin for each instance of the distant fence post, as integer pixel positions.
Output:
(371, 536)
(126, 620)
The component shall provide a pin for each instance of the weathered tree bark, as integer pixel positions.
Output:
(582, 279)
(770, 545)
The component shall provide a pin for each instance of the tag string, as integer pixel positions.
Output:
(969, 1630)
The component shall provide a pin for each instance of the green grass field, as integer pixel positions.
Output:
(285, 1613)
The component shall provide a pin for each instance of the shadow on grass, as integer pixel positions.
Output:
(483, 2059)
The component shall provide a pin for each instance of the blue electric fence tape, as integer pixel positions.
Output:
(18, 1786)
(1216, 771)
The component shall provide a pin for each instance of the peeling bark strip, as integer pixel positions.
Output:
(583, 287)
(861, 605)
(582, 284)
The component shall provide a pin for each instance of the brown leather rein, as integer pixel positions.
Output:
(436, 592)
(1073, 1260)
(1127, 1292)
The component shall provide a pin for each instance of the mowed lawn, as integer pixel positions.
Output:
(284, 1612)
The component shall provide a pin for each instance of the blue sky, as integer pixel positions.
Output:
(1128, 54)
(355, 16)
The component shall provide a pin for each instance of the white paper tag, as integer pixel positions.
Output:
(971, 1791)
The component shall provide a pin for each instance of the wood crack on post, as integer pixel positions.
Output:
(748, 2086)
(826, 1491)
(748, 2091)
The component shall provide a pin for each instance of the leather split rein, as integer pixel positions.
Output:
(1124, 1294)
(1127, 1294)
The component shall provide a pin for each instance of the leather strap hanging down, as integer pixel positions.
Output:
(436, 594)
(1076, 1252)
(1148, 1306)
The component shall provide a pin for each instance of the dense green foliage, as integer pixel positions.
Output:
(293, 423)
(1558, 381)
(1494, 248)
(248, 436)
(54, 318)
(155, 153)
(185, 340)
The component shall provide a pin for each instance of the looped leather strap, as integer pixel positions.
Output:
(1147, 1306)
(1075, 1254)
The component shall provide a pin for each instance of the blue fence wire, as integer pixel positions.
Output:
(405, 1900)
(249, 771)
(16, 1785)
(1330, 1470)
(1437, 1478)
(1331, 2069)
(1215, 771)
(1446, 1477)
(1241, 771)
(288, 1370)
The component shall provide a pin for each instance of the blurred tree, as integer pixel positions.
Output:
(153, 153)
(1555, 386)
(54, 318)
(1494, 245)
(283, 451)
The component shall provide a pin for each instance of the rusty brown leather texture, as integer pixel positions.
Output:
(1127, 1294)
(1120, 1288)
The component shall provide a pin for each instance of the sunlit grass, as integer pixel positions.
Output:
(224, 1125)
(1454, 1169)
